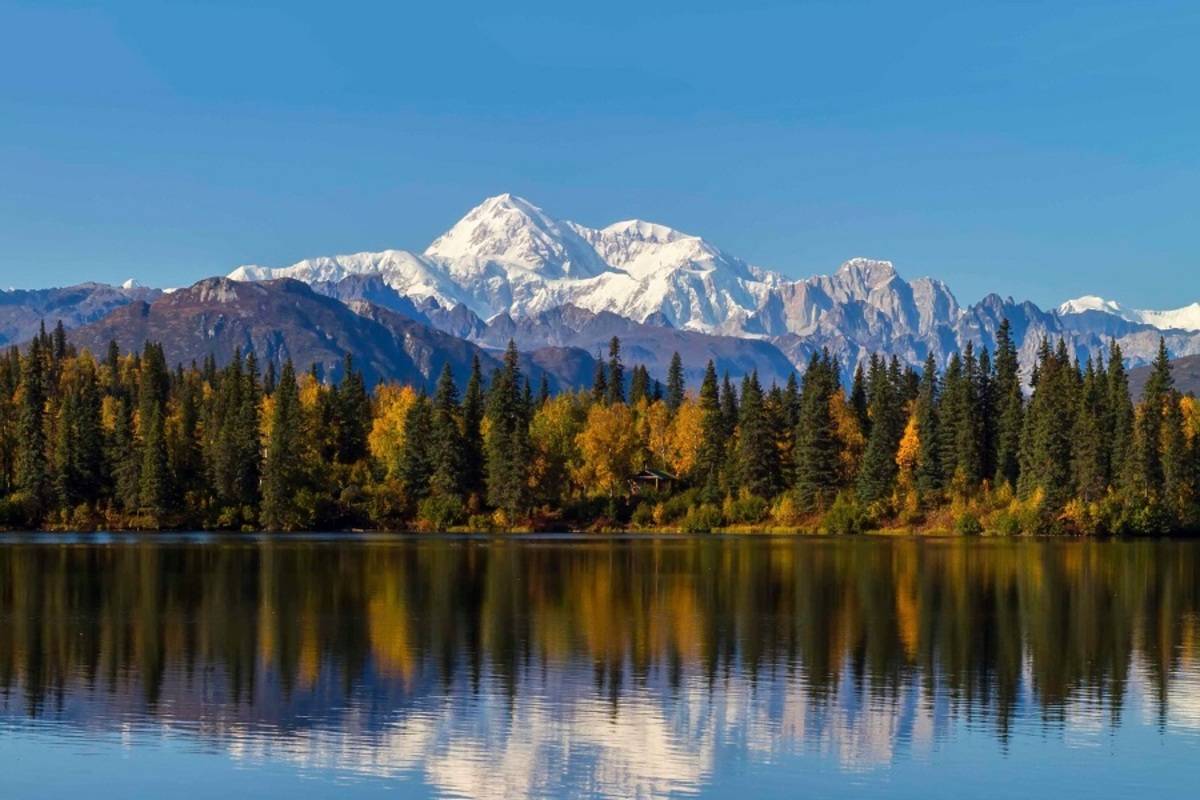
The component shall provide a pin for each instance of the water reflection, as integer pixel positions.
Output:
(629, 668)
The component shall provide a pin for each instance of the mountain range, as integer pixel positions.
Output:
(509, 270)
(508, 258)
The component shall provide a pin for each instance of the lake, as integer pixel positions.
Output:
(313, 666)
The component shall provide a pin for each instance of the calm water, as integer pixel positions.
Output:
(728, 667)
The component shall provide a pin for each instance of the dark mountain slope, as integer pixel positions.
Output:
(22, 311)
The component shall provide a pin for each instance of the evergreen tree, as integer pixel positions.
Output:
(124, 466)
(1087, 450)
(928, 471)
(1119, 420)
(758, 455)
(1009, 408)
(1149, 426)
(154, 479)
(1049, 420)
(281, 470)
(729, 407)
(416, 457)
(447, 450)
(32, 469)
(616, 373)
(858, 398)
(599, 382)
(508, 446)
(675, 383)
(791, 400)
(816, 438)
(352, 414)
(877, 474)
(1178, 464)
(639, 385)
(472, 415)
(711, 457)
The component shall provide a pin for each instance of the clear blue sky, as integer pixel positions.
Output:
(1035, 149)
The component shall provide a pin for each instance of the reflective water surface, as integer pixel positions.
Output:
(475, 667)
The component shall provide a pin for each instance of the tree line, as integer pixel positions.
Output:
(128, 442)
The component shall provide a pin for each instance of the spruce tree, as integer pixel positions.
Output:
(32, 468)
(508, 447)
(472, 416)
(1009, 408)
(1148, 430)
(758, 455)
(599, 382)
(416, 456)
(1049, 420)
(1178, 464)
(1119, 420)
(1087, 443)
(711, 456)
(616, 373)
(281, 469)
(675, 383)
(877, 474)
(639, 385)
(154, 479)
(352, 414)
(447, 450)
(729, 407)
(816, 439)
(858, 398)
(928, 472)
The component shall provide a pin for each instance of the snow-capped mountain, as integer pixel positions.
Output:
(509, 259)
(509, 256)
(1184, 319)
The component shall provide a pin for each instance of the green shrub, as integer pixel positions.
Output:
(677, 507)
(1006, 523)
(480, 522)
(747, 510)
(846, 516)
(967, 524)
(702, 519)
(440, 511)
(643, 515)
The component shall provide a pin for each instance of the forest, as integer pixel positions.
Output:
(128, 442)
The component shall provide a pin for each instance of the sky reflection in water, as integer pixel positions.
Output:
(627, 668)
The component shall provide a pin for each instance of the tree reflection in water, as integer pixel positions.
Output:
(495, 667)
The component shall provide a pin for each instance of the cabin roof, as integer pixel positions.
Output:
(653, 475)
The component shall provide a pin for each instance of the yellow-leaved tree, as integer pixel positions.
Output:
(552, 431)
(687, 434)
(386, 439)
(1191, 416)
(909, 451)
(850, 438)
(608, 449)
(655, 431)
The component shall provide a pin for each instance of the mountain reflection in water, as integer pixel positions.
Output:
(628, 667)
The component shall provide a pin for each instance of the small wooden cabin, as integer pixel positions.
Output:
(651, 479)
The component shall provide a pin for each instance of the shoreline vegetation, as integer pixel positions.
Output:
(127, 443)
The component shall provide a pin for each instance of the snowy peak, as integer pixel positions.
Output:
(510, 231)
(641, 231)
(1089, 302)
(1186, 318)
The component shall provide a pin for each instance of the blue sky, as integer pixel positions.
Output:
(1038, 150)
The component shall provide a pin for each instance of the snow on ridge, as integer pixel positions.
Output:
(1186, 318)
